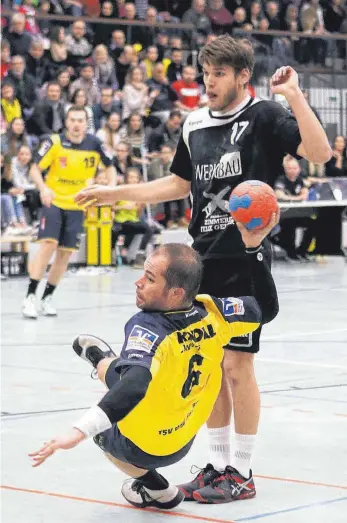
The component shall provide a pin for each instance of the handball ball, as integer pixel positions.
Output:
(252, 203)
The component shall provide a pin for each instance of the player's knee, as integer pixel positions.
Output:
(238, 366)
(48, 246)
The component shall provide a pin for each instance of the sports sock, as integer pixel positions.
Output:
(219, 447)
(154, 481)
(49, 289)
(32, 286)
(241, 457)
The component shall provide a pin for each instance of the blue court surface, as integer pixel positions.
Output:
(300, 463)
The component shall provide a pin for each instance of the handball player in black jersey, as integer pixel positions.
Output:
(235, 138)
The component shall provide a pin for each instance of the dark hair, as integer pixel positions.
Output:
(74, 96)
(76, 109)
(54, 33)
(174, 113)
(225, 50)
(184, 269)
(54, 83)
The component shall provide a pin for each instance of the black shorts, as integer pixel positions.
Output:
(120, 447)
(232, 277)
(63, 226)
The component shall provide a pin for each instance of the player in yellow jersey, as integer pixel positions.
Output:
(72, 158)
(164, 384)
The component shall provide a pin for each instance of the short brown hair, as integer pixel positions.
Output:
(225, 50)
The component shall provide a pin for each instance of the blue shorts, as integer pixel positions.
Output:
(60, 225)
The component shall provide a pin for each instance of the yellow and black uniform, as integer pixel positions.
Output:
(165, 382)
(69, 166)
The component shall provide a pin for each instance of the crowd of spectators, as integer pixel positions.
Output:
(137, 83)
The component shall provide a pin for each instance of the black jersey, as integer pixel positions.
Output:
(217, 152)
(288, 187)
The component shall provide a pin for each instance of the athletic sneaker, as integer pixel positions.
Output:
(29, 309)
(140, 496)
(92, 349)
(47, 308)
(204, 478)
(229, 486)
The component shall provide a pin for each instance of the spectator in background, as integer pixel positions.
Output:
(151, 58)
(149, 33)
(27, 9)
(202, 25)
(335, 14)
(36, 63)
(14, 138)
(160, 166)
(5, 58)
(78, 47)
(63, 79)
(175, 69)
(176, 42)
(188, 91)
(135, 93)
(162, 45)
(271, 13)
(168, 132)
(16, 36)
(23, 83)
(103, 32)
(135, 31)
(221, 18)
(123, 64)
(10, 106)
(291, 187)
(107, 105)
(87, 82)
(110, 133)
(57, 52)
(20, 167)
(255, 14)
(117, 44)
(12, 211)
(127, 214)
(104, 69)
(120, 4)
(44, 8)
(165, 97)
(133, 133)
(48, 116)
(337, 165)
(122, 160)
(80, 99)
(141, 8)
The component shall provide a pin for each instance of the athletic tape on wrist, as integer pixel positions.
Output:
(93, 422)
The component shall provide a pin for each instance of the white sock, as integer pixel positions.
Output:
(241, 457)
(219, 447)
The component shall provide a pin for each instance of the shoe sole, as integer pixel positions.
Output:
(163, 506)
(29, 317)
(197, 497)
(78, 349)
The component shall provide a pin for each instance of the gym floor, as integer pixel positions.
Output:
(300, 463)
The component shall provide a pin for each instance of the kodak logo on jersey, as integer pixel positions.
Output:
(196, 335)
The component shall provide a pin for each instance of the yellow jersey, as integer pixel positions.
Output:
(183, 351)
(70, 165)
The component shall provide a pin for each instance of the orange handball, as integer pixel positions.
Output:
(252, 203)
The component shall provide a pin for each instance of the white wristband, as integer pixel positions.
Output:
(93, 422)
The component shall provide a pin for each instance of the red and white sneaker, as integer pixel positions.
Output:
(228, 486)
(204, 478)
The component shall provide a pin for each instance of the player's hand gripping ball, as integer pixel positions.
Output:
(252, 203)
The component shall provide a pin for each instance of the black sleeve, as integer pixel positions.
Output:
(331, 170)
(263, 285)
(285, 129)
(182, 164)
(126, 393)
(105, 156)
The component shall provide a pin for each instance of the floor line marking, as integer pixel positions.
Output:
(293, 509)
(302, 363)
(114, 504)
(302, 482)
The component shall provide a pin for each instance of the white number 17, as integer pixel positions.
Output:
(237, 129)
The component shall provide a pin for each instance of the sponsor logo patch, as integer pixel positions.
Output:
(141, 339)
(232, 306)
(63, 162)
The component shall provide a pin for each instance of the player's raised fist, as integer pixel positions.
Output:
(284, 81)
(96, 195)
